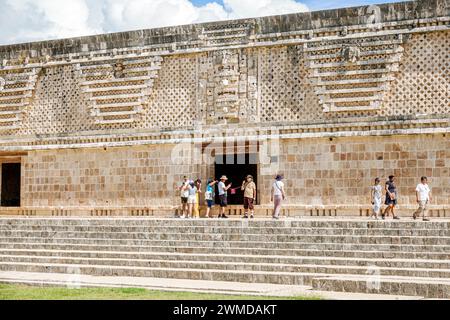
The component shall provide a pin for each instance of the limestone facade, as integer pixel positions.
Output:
(331, 99)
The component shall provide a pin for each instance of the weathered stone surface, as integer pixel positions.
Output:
(327, 254)
(345, 95)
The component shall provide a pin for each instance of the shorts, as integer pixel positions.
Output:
(184, 200)
(192, 200)
(248, 203)
(223, 200)
(389, 201)
(210, 203)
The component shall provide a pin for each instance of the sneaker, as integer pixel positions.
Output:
(414, 216)
(383, 217)
(224, 216)
(276, 218)
(182, 217)
(426, 219)
(245, 216)
(396, 218)
(251, 216)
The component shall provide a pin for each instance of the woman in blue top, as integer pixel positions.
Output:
(209, 196)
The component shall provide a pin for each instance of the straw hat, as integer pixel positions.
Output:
(223, 178)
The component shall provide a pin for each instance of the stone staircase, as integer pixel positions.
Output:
(329, 254)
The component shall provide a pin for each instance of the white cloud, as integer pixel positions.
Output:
(256, 8)
(33, 20)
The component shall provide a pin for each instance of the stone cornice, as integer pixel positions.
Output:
(211, 134)
(406, 17)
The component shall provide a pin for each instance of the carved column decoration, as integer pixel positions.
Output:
(228, 87)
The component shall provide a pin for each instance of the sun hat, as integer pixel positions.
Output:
(223, 178)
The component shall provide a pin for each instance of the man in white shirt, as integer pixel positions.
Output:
(423, 196)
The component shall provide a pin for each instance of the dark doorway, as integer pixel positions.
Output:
(10, 196)
(236, 168)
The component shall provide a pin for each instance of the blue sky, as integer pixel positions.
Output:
(321, 4)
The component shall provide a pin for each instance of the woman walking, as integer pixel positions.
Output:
(277, 196)
(375, 196)
(391, 198)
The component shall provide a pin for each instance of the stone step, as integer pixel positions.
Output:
(412, 257)
(287, 223)
(232, 244)
(230, 258)
(234, 231)
(229, 266)
(427, 287)
(336, 252)
(284, 238)
(231, 230)
(179, 273)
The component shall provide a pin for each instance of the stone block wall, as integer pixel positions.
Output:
(318, 171)
(340, 171)
(99, 117)
(131, 176)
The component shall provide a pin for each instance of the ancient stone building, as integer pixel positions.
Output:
(109, 124)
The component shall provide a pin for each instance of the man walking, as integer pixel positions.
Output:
(223, 195)
(249, 188)
(391, 198)
(423, 197)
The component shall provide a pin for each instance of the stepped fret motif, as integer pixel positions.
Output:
(219, 35)
(16, 91)
(117, 91)
(353, 74)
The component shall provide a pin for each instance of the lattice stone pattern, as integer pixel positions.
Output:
(285, 93)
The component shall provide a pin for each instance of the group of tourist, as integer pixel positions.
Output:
(191, 189)
(423, 197)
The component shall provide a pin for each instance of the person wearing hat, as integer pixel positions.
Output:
(391, 197)
(223, 195)
(249, 188)
(277, 195)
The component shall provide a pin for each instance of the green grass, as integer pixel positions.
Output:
(26, 292)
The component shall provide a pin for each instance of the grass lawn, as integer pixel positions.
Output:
(25, 292)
